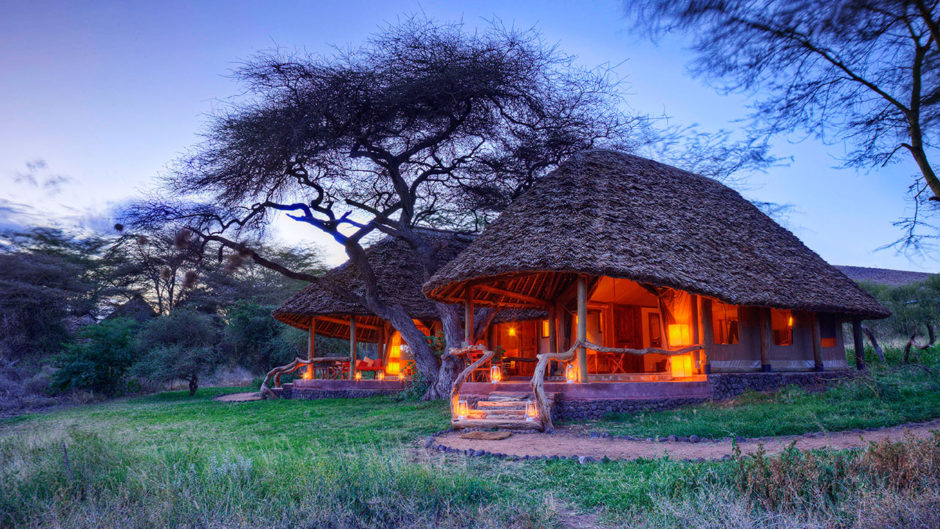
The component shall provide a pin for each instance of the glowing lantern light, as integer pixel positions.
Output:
(308, 374)
(790, 321)
(358, 375)
(545, 328)
(681, 366)
(512, 331)
(570, 374)
(496, 374)
(531, 412)
(463, 409)
(380, 375)
(679, 334)
(394, 367)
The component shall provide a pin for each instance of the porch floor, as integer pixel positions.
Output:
(683, 388)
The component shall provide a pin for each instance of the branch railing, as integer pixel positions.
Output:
(277, 372)
(462, 377)
(538, 378)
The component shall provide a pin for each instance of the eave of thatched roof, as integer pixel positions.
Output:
(605, 213)
(399, 276)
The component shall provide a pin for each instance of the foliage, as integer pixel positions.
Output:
(254, 339)
(179, 346)
(99, 359)
(857, 72)
(913, 307)
(47, 278)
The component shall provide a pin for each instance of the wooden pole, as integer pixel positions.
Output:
(311, 345)
(708, 333)
(552, 346)
(383, 349)
(468, 318)
(817, 344)
(695, 334)
(352, 347)
(582, 328)
(765, 339)
(859, 344)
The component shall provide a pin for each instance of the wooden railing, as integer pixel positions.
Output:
(538, 379)
(290, 368)
(462, 377)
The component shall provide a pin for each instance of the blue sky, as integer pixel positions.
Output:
(107, 94)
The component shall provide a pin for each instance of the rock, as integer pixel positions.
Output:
(694, 438)
(738, 439)
(671, 438)
(583, 460)
(429, 442)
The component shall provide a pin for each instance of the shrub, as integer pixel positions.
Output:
(179, 346)
(99, 359)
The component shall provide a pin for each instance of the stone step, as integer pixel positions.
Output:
(508, 396)
(496, 423)
(520, 404)
(504, 414)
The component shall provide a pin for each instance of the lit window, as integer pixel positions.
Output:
(781, 322)
(725, 323)
(827, 329)
(545, 328)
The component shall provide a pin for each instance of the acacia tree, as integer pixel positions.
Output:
(858, 72)
(384, 139)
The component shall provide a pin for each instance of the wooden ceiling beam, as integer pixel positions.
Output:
(509, 294)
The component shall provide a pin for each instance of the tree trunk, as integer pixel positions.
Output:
(193, 384)
(450, 366)
(874, 344)
(421, 352)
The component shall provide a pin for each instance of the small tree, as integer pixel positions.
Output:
(179, 346)
(100, 358)
(253, 339)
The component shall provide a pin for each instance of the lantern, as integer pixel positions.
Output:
(308, 373)
(681, 366)
(531, 412)
(463, 409)
(512, 331)
(679, 334)
(380, 375)
(358, 375)
(496, 374)
(570, 374)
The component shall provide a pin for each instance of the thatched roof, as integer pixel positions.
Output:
(883, 276)
(135, 308)
(399, 277)
(612, 214)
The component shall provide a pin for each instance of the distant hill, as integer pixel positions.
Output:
(883, 276)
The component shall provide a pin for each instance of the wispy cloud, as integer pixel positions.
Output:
(38, 175)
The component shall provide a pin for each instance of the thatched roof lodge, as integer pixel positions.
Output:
(321, 311)
(654, 243)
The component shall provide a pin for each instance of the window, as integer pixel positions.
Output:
(827, 329)
(781, 322)
(725, 323)
(545, 328)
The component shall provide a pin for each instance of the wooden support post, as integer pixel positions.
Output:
(697, 356)
(311, 346)
(859, 344)
(708, 333)
(552, 345)
(817, 344)
(582, 329)
(383, 349)
(468, 318)
(352, 348)
(766, 339)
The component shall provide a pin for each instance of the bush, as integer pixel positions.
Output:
(99, 360)
(178, 347)
(253, 339)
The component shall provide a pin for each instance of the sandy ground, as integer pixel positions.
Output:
(239, 397)
(567, 444)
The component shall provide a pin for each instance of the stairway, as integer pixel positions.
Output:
(500, 409)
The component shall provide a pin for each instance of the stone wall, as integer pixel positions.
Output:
(572, 410)
(728, 385)
(723, 386)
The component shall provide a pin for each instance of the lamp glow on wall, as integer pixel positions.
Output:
(680, 366)
(512, 331)
(308, 373)
(570, 374)
(496, 374)
(679, 334)
(380, 375)
(358, 375)
(531, 411)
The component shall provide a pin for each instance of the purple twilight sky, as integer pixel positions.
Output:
(96, 98)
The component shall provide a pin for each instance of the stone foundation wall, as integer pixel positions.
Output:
(723, 386)
(289, 392)
(728, 385)
(572, 410)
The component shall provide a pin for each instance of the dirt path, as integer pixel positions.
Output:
(567, 444)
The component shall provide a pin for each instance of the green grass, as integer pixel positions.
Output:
(169, 460)
(887, 397)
